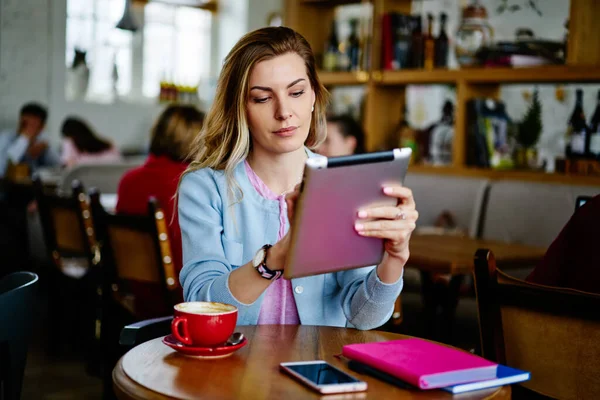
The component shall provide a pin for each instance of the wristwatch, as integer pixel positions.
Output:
(260, 264)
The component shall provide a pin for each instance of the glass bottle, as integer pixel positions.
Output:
(353, 47)
(331, 55)
(594, 142)
(429, 45)
(473, 33)
(578, 131)
(416, 43)
(442, 43)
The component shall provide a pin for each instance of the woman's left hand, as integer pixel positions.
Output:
(393, 224)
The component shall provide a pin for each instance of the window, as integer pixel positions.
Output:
(174, 46)
(91, 28)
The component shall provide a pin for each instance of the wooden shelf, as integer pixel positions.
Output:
(210, 5)
(522, 175)
(489, 75)
(385, 101)
(329, 3)
(415, 76)
(343, 78)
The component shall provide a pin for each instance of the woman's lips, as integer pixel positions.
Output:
(286, 132)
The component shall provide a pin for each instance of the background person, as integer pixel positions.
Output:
(345, 137)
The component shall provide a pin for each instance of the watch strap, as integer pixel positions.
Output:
(263, 270)
(267, 273)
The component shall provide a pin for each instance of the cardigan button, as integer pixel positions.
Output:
(299, 289)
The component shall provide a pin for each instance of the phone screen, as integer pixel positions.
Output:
(322, 373)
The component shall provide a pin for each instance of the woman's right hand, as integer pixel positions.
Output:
(278, 253)
(239, 278)
(290, 201)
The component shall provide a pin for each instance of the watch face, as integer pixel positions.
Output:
(259, 257)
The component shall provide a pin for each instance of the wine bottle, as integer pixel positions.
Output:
(442, 44)
(353, 47)
(594, 147)
(429, 45)
(416, 43)
(331, 55)
(578, 139)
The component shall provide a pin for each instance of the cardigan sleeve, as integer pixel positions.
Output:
(367, 302)
(205, 273)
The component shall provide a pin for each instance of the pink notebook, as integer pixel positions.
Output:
(421, 363)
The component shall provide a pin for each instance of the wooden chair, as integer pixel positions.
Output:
(553, 333)
(139, 279)
(70, 240)
(17, 297)
(136, 260)
(68, 229)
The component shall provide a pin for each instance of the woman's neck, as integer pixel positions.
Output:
(279, 172)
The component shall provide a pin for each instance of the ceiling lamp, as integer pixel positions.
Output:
(127, 22)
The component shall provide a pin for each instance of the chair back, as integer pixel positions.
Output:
(67, 227)
(104, 177)
(17, 172)
(17, 297)
(136, 259)
(553, 333)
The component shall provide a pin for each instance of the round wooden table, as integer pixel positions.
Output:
(154, 371)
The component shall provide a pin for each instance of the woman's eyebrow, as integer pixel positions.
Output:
(268, 89)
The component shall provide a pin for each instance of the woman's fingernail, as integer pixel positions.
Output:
(362, 214)
(358, 227)
(388, 190)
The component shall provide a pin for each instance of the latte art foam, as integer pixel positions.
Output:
(204, 308)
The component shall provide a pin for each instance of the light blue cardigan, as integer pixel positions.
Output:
(213, 247)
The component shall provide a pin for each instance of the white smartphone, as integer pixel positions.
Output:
(323, 377)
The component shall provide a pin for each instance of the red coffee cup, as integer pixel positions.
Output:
(203, 323)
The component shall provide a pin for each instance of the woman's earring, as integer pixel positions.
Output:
(313, 109)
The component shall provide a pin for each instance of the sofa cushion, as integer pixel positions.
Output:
(528, 212)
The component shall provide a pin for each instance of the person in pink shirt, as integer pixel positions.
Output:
(81, 145)
(236, 199)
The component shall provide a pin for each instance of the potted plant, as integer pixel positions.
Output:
(528, 134)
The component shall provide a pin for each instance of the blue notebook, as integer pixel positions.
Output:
(504, 376)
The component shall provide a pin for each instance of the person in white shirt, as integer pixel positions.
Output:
(27, 144)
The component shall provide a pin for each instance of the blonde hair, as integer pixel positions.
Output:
(174, 131)
(224, 140)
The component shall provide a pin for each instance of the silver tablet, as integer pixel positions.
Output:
(323, 238)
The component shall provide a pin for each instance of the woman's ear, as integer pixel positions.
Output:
(350, 144)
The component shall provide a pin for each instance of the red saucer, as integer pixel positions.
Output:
(220, 351)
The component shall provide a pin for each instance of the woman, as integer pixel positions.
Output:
(170, 142)
(232, 199)
(82, 145)
(345, 137)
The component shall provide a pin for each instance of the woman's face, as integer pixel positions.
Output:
(336, 144)
(279, 104)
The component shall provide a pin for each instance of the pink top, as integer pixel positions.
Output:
(72, 156)
(279, 305)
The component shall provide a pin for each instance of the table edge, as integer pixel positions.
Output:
(126, 388)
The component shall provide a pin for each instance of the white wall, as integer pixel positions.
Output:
(32, 67)
(23, 68)
(259, 10)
